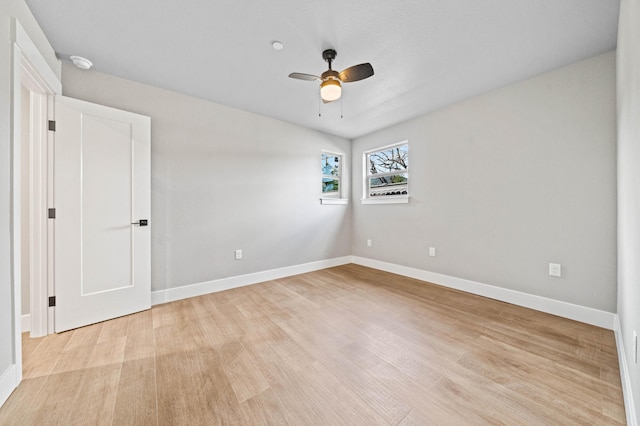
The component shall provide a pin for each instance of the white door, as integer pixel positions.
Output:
(102, 213)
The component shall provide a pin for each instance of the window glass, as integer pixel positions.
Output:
(331, 174)
(387, 171)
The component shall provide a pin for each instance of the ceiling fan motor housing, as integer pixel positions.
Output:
(330, 74)
(329, 55)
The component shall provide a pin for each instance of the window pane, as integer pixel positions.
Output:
(393, 180)
(388, 185)
(329, 185)
(330, 165)
(389, 160)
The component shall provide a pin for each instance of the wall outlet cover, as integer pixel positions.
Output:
(555, 269)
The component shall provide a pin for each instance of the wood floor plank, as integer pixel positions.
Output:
(29, 344)
(526, 376)
(343, 346)
(136, 400)
(97, 390)
(266, 409)
(378, 384)
(83, 336)
(114, 329)
(44, 357)
(23, 401)
(244, 376)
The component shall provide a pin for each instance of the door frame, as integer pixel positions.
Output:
(29, 67)
(38, 160)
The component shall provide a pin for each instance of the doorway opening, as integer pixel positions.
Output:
(33, 86)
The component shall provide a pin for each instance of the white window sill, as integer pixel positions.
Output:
(404, 199)
(334, 201)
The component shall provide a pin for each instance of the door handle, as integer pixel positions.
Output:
(141, 222)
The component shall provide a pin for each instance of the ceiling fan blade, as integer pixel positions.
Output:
(302, 76)
(356, 73)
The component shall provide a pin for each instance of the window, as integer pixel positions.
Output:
(386, 173)
(332, 178)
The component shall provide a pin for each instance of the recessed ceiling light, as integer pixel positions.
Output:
(80, 62)
(277, 45)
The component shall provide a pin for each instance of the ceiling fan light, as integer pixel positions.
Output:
(330, 90)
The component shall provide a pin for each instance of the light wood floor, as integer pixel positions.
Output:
(342, 346)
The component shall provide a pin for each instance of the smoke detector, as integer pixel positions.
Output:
(80, 62)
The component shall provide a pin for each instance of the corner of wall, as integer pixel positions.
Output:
(625, 376)
(8, 382)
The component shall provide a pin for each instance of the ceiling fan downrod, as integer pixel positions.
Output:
(329, 55)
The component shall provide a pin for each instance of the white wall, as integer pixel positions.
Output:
(225, 179)
(506, 182)
(628, 67)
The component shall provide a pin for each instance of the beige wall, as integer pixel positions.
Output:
(628, 67)
(225, 179)
(506, 182)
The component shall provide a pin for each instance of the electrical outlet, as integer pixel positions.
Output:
(555, 269)
(369, 243)
(432, 251)
(238, 254)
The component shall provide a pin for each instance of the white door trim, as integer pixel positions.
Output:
(26, 62)
(38, 165)
(31, 55)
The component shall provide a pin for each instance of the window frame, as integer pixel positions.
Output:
(337, 197)
(366, 188)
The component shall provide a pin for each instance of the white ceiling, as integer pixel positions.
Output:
(426, 53)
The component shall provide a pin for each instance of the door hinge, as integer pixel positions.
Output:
(52, 125)
(52, 213)
(52, 301)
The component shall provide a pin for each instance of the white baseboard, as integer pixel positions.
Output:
(8, 382)
(193, 290)
(625, 377)
(555, 307)
(26, 323)
(563, 309)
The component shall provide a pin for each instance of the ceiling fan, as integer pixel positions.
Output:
(331, 81)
